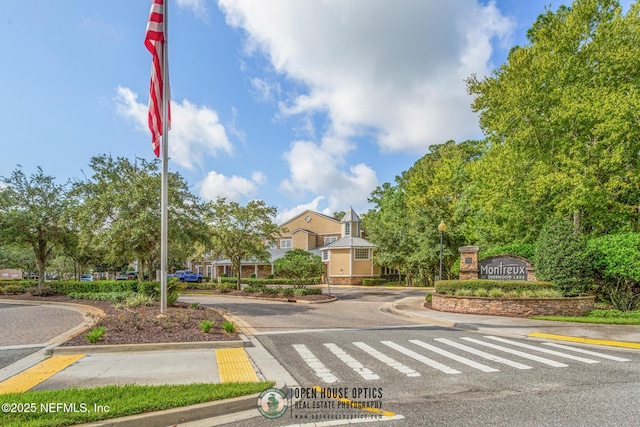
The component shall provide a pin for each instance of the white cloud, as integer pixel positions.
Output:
(233, 188)
(195, 130)
(197, 7)
(315, 169)
(394, 68)
(287, 214)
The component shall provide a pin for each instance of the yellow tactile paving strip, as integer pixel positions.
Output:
(234, 366)
(38, 373)
(585, 340)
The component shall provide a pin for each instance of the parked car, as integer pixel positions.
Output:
(86, 278)
(186, 276)
(129, 275)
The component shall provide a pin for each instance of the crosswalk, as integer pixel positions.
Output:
(414, 357)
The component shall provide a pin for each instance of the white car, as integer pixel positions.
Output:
(86, 278)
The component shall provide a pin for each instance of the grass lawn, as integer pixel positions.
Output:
(47, 408)
(607, 317)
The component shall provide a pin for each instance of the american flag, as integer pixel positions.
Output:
(155, 43)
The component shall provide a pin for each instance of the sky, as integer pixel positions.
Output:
(303, 104)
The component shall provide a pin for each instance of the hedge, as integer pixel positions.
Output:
(373, 282)
(450, 286)
(248, 281)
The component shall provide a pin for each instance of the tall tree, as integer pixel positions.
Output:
(120, 213)
(240, 232)
(568, 102)
(31, 214)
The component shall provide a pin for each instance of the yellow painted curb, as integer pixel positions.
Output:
(234, 366)
(38, 373)
(586, 340)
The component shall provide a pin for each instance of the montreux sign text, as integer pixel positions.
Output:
(503, 268)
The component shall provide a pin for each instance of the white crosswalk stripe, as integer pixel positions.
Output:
(437, 365)
(483, 354)
(365, 360)
(387, 360)
(358, 367)
(314, 363)
(543, 350)
(583, 351)
(455, 357)
(517, 353)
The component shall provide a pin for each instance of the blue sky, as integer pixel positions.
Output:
(303, 104)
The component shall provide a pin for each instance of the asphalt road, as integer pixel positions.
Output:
(433, 376)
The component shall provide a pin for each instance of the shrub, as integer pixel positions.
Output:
(172, 297)
(496, 293)
(137, 300)
(615, 262)
(95, 334)
(450, 286)
(481, 292)
(299, 266)
(43, 291)
(560, 257)
(464, 292)
(428, 297)
(373, 282)
(113, 297)
(12, 289)
(194, 305)
(229, 327)
(206, 325)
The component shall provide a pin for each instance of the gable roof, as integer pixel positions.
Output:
(307, 212)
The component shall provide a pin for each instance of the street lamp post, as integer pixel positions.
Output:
(442, 227)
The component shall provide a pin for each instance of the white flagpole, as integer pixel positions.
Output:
(164, 218)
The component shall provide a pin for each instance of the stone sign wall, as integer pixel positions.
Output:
(497, 267)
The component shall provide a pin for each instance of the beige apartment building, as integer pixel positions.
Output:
(347, 256)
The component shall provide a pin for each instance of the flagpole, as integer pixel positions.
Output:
(164, 218)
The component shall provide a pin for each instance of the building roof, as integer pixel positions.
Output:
(349, 242)
(350, 216)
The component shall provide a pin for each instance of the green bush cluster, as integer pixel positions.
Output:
(373, 282)
(499, 292)
(12, 289)
(248, 281)
(113, 297)
(66, 288)
(450, 287)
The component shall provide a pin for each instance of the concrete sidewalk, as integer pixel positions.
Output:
(173, 364)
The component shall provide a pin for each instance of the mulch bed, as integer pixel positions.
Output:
(142, 325)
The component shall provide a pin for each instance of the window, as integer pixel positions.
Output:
(361, 254)
(328, 240)
(347, 229)
(325, 255)
(285, 244)
(271, 245)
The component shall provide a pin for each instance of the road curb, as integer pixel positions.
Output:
(119, 348)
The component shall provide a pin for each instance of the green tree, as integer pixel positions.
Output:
(31, 214)
(239, 232)
(560, 257)
(119, 214)
(564, 108)
(299, 266)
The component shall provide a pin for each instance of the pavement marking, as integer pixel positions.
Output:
(38, 373)
(358, 367)
(234, 366)
(483, 354)
(517, 353)
(455, 357)
(592, 353)
(387, 360)
(421, 358)
(314, 363)
(585, 340)
(543, 350)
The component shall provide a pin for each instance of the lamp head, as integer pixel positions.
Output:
(442, 227)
